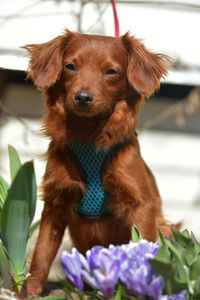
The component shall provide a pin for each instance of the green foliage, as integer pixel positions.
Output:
(121, 292)
(136, 235)
(61, 297)
(178, 261)
(4, 268)
(15, 163)
(3, 192)
(17, 208)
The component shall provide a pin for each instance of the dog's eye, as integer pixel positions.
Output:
(70, 67)
(110, 72)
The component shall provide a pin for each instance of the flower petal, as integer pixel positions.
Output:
(89, 279)
(71, 264)
(107, 281)
(93, 257)
(154, 290)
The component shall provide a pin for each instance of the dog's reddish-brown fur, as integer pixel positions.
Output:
(110, 118)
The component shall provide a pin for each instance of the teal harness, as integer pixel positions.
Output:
(91, 165)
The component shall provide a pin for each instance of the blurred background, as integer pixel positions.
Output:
(169, 129)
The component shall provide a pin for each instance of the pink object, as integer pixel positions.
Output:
(116, 19)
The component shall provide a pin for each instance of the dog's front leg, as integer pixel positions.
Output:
(129, 207)
(50, 236)
(134, 200)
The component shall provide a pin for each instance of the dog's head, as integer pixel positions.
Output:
(94, 72)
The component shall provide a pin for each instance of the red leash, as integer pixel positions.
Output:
(116, 19)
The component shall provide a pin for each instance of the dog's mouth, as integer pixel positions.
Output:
(82, 103)
(83, 111)
(87, 104)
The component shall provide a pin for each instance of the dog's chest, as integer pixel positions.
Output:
(91, 165)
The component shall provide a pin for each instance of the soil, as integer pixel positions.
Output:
(52, 289)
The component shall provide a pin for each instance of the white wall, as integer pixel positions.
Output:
(172, 31)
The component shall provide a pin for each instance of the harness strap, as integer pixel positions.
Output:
(92, 166)
(77, 164)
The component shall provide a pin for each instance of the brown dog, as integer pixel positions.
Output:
(96, 182)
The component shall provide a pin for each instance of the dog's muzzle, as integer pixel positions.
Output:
(83, 98)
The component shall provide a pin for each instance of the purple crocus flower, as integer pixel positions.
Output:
(72, 266)
(136, 272)
(93, 257)
(154, 289)
(104, 270)
(118, 253)
(178, 296)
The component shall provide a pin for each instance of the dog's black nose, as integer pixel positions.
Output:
(83, 98)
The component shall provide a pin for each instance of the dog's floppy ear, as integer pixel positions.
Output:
(46, 60)
(145, 69)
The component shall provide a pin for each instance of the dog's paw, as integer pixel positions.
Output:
(34, 288)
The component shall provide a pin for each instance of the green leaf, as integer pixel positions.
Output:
(181, 238)
(188, 257)
(68, 286)
(185, 233)
(177, 252)
(61, 297)
(170, 264)
(197, 297)
(136, 236)
(189, 243)
(70, 290)
(161, 238)
(197, 286)
(15, 163)
(166, 270)
(196, 243)
(119, 292)
(92, 296)
(163, 255)
(34, 227)
(190, 246)
(195, 269)
(16, 217)
(3, 191)
(4, 268)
